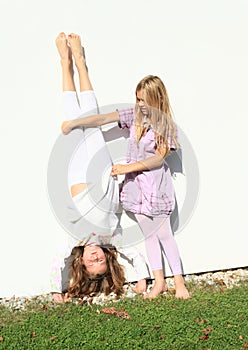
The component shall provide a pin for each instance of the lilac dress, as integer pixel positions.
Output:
(148, 192)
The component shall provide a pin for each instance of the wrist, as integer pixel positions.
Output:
(74, 123)
(136, 166)
(129, 168)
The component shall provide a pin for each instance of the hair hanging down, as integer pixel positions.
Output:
(82, 284)
(160, 113)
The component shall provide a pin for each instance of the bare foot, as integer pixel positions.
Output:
(140, 287)
(157, 289)
(63, 48)
(181, 292)
(76, 48)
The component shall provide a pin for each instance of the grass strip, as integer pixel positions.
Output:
(211, 319)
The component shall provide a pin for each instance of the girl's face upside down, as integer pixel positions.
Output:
(94, 260)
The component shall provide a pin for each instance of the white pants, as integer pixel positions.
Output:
(92, 138)
(99, 202)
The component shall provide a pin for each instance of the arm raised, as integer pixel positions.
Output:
(91, 121)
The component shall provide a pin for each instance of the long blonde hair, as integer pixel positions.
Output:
(82, 283)
(159, 111)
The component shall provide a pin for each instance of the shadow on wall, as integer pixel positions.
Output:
(116, 140)
(174, 161)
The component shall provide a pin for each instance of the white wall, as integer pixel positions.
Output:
(199, 49)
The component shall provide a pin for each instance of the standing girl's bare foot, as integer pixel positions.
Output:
(63, 48)
(181, 290)
(158, 288)
(76, 48)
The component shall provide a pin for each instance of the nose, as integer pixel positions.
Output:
(141, 103)
(94, 256)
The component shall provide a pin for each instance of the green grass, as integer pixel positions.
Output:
(214, 318)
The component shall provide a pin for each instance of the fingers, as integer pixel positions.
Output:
(118, 169)
(65, 127)
(113, 173)
(58, 298)
(67, 299)
(115, 170)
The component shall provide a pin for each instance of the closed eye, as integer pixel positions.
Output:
(101, 261)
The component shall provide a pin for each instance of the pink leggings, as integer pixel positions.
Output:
(158, 237)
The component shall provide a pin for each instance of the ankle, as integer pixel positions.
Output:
(80, 62)
(159, 282)
(66, 61)
(179, 280)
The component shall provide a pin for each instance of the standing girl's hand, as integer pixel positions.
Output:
(119, 169)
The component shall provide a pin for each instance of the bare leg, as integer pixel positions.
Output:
(66, 63)
(78, 188)
(68, 84)
(77, 52)
(84, 83)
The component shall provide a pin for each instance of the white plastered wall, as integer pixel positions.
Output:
(199, 49)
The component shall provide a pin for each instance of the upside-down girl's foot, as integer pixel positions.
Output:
(76, 48)
(157, 289)
(63, 48)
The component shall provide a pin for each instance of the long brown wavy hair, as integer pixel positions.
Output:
(159, 111)
(82, 283)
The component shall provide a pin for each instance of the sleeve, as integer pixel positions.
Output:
(138, 261)
(126, 117)
(58, 264)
